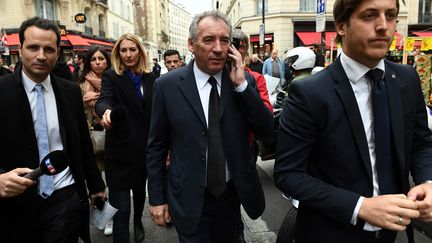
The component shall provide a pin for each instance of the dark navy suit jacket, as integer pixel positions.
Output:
(178, 124)
(18, 148)
(322, 152)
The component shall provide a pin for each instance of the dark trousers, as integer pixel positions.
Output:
(122, 201)
(219, 219)
(61, 216)
(382, 236)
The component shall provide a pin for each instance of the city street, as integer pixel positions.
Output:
(262, 230)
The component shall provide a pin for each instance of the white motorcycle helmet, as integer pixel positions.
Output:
(300, 58)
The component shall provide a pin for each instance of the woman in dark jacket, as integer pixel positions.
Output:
(124, 107)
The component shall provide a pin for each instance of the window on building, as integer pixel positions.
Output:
(46, 9)
(259, 6)
(425, 12)
(87, 28)
(101, 25)
(308, 5)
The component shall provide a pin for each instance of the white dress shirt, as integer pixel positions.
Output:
(362, 88)
(65, 177)
(204, 88)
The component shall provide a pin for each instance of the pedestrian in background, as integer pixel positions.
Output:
(156, 68)
(44, 113)
(351, 135)
(255, 64)
(274, 67)
(202, 114)
(172, 59)
(96, 61)
(129, 87)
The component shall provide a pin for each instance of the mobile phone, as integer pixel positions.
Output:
(236, 43)
(99, 203)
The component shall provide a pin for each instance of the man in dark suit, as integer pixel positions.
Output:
(349, 138)
(44, 113)
(211, 171)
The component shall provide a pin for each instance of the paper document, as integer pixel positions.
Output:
(271, 83)
(100, 218)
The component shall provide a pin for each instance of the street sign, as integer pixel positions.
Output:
(320, 18)
(321, 7)
(320, 23)
(261, 34)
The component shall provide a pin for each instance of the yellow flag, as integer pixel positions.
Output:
(393, 44)
(426, 44)
(409, 44)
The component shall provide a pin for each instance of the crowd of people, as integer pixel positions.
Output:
(347, 139)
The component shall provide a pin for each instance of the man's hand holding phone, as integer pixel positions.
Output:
(235, 65)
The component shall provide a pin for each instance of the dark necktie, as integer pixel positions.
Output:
(216, 158)
(383, 139)
(46, 183)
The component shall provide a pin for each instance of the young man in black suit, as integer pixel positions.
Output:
(211, 171)
(351, 134)
(44, 113)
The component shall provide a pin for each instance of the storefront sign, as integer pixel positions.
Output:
(80, 18)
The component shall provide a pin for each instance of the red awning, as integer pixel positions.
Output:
(310, 38)
(77, 40)
(13, 39)
(99, 42)
(422, 33)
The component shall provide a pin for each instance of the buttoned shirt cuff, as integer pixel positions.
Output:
(356, 211)
(241, 87)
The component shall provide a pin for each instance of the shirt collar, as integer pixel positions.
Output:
(355, 70)
(202, 77)
(30, 84)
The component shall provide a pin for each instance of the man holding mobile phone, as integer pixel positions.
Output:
(206, 132)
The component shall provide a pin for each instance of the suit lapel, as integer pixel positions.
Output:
(24, 105)
(127, 85)
(226, 91)
(346, 94)
(396, 116)
(61, 96)
(189, 88)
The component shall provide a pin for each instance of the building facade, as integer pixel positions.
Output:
(75, 36)
(120, 18)
(287, 23)
(179, 22)
(152, 24)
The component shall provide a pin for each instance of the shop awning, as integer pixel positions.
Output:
(13, 41)
(77, 42)
(106, 44)
(310, 38)
(422, 33)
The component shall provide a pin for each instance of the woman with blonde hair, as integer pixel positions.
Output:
(124, 107)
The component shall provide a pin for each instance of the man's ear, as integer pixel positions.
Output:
(190, 45)
(19, 50)
(340, 28)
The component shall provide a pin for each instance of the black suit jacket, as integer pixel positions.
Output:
(322, 154)
(125, 146)
(178, 124)
(18, 148)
